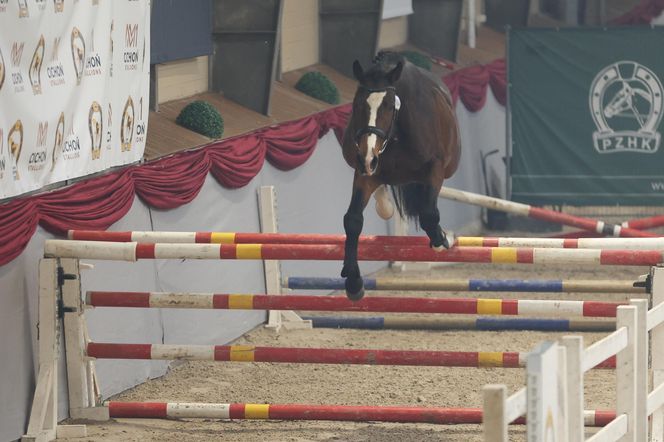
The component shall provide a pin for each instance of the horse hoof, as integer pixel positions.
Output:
(354, 288)
(438, 249)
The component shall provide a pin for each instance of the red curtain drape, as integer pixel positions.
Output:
(470, 84)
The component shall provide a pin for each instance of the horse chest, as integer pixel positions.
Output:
(398, 166)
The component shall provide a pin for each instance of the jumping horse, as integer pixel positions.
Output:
(402, 133)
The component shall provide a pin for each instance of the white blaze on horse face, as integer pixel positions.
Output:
(374, 100)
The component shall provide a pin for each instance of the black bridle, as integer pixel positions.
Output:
(385, 136)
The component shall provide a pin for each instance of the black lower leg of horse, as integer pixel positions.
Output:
(353, 222)
(430, 221)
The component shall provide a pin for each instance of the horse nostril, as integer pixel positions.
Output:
(374, 163)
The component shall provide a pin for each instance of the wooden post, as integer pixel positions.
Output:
(657, 356)
(494, 422)
(626, 370)
(574, 355)
(641, 369)
(267, 208)
(44, 412)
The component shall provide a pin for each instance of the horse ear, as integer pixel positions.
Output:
(395, 73)
(358, 71)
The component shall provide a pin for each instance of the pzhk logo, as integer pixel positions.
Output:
(78, 53)
(626, 105)
(131, 47)
(55, 71)
(34, 73)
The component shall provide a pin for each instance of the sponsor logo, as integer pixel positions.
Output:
(41, 4)
(127, 126)
(3, 163)
(58, 140)
(626, 106)
(130, 55)
(15, 145)
(37, 159)
(34, 73)
(55, 71)
(109, 127)
(23, 9)
(71, 148)
(59, 5)
(78, 53)
(96, 126)
(16, 75)
(3, 5)
(93, 64)
(2, 70)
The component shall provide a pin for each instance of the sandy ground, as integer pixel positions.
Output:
(361, 385)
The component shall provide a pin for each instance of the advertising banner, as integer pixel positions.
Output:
(74, 89)
(585, 116)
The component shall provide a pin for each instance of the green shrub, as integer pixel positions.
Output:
(201, 117)
(318, 86)
(418, 59)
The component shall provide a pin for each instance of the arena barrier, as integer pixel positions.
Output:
(60, 281)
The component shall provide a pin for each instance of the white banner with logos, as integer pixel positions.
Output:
(74, 89)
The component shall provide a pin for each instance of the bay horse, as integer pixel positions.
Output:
(402, 133)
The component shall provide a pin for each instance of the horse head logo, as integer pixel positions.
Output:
(59, 139)
(127, 125)
(15, 144)
(35, 66)
(626, 106)
(78, 53)
(95, 124)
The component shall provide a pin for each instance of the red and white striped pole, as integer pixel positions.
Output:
(387, 304)
(295, 412)
(542, 214)
(132, 251)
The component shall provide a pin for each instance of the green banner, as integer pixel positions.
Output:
(585, 112)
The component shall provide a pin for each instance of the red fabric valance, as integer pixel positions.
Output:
(470, 84)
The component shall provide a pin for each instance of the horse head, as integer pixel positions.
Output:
(375, 110)
(621, 102)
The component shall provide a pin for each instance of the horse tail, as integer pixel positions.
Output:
(410, 199)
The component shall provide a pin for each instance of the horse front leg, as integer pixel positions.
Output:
(430, 219)
(363, 187)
